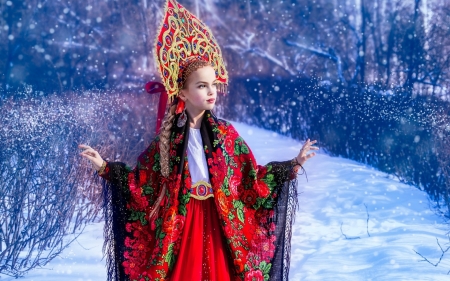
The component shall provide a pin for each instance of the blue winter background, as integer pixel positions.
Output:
(368, 79)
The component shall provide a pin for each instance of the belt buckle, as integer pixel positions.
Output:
(201, 190)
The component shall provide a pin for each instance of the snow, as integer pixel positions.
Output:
(334, 236)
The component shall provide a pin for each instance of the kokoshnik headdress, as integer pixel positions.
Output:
(182, 40)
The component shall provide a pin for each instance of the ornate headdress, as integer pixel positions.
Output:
(182, 40)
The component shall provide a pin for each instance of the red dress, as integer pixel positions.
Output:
(204, 255)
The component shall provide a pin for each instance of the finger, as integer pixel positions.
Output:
(84, 146)
(88, 157)
(311, 155)
(311, 143)
(91, 153)
(88, 152)
(305, 149)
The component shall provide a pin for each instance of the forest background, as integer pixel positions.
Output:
(368, 79)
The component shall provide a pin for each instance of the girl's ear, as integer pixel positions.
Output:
(182, 95)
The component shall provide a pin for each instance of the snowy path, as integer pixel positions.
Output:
(335, 196)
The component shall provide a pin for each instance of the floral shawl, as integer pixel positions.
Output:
(255, 205)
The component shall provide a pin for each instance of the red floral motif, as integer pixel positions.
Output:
(172, 153)
(130, 269)
(211, 120)
(139, 232)
(169, 217)
(231, 132)
(229, 146)
(249, 197)
(239, 265)
(254, 275)
(217, 176)
(136, 228)
(222, 131)
(262, 189)
(128, 242)
(250, 220)
(262, 171)
(178, 224)
(233, 186)
(228, 230)
(272, 227)
(218, 158)
(179, 138)
(265, 246)
(139, 201)
(143, 177)
(222, 200)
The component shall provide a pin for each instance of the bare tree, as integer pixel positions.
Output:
(442, 148)
(48, 194)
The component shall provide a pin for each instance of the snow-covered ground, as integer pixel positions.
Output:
(354, 223)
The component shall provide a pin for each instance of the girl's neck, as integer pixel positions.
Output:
(195, 119)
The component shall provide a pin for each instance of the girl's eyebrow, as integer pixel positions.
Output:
(203, 82)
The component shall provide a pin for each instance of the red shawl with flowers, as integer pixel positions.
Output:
(255, 205)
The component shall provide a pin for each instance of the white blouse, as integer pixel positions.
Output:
(198, 167)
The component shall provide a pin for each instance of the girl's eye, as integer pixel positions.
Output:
(201, 86)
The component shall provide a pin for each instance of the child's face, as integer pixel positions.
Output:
(201, 91)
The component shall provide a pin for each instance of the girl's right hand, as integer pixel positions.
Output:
(92, 155)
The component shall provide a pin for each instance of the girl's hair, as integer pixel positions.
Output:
(166, 130)
(191, 67)
(164, 145)
(164, 140)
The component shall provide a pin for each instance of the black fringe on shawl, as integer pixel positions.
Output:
(115, 196)
(287, 204)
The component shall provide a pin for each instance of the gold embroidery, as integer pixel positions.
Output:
(201, 190)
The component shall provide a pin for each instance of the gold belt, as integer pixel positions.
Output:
(201, 190)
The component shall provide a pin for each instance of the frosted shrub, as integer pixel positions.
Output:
(48, 193)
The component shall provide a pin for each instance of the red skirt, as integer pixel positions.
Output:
(203, 255)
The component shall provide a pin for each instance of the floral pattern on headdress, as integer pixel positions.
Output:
(183, 38)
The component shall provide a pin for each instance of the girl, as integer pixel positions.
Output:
(197, 206)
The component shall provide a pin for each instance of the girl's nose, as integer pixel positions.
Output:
(211, 91)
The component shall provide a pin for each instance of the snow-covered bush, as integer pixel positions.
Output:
(48, 192)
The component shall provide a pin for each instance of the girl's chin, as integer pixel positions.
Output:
(209, 107)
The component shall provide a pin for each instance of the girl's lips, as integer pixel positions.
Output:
(211, 100)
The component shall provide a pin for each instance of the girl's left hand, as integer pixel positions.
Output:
(303, 155)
